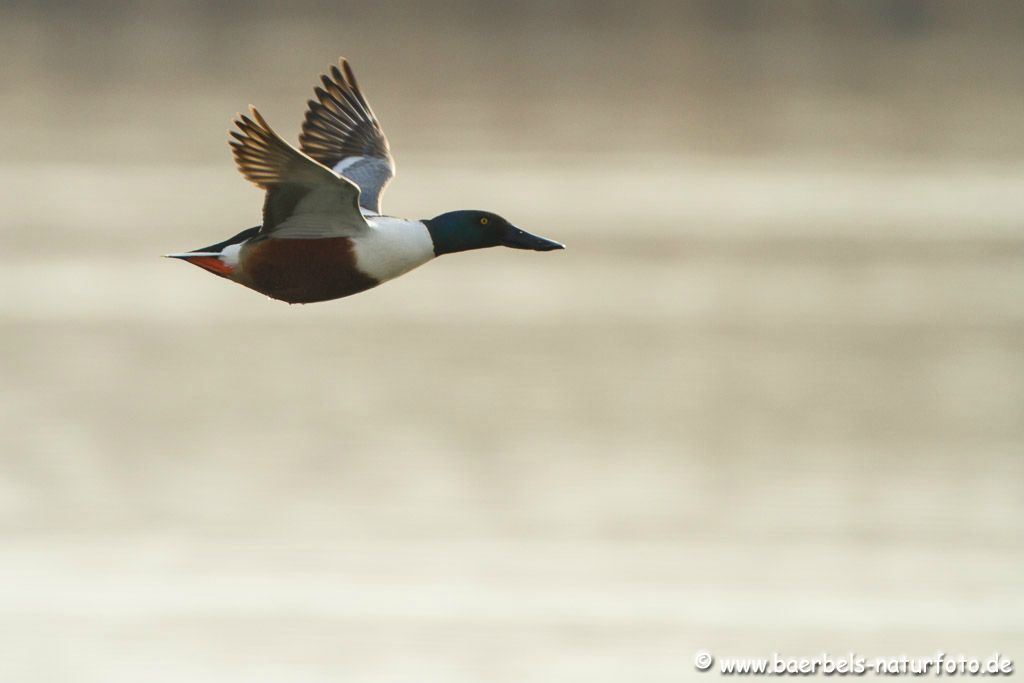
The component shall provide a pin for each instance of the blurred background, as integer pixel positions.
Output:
(770, 399)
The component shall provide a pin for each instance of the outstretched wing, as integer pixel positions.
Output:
(342, 133)
(305, 199)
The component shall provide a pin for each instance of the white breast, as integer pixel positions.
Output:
(391, 247)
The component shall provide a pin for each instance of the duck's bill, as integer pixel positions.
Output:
(520, 239)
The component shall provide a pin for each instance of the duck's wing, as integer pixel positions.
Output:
(342, 132)
(305, 199)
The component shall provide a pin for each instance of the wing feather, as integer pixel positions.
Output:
(341, 132)
(305, 199)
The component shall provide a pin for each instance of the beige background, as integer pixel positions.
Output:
(770, 399)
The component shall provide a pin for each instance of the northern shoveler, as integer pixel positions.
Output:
(323, 236)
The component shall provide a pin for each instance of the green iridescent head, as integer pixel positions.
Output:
(464, 230)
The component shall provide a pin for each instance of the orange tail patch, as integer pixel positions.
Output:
(212, 264)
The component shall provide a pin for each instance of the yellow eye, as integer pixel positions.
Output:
(485, 221)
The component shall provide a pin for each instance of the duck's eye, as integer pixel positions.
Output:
(485, 221)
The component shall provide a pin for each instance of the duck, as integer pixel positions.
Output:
(323, 235)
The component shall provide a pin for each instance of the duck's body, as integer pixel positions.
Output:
(303, 271)
(323, 236)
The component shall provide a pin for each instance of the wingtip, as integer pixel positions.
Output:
(336, 77)
(251, 123)
(350, 76)
(239, 123)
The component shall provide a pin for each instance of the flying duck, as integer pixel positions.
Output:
(323, 234)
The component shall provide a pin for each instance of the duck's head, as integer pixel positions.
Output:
(464, 230)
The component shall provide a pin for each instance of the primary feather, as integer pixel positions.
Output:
(341, 132)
